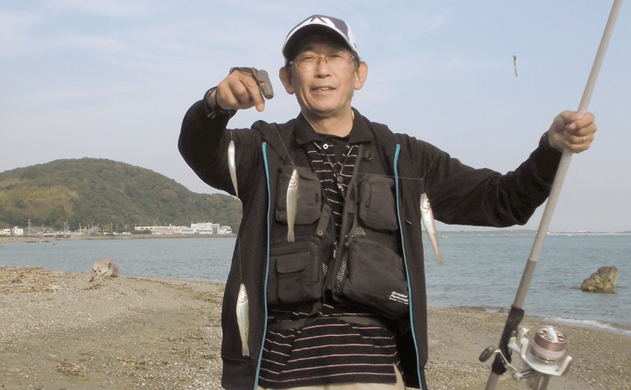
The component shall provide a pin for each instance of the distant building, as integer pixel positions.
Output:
(16, 231)
(203, 228)
(161, 229)
(195, 228)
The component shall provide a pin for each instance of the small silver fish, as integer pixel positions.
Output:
(292, 204)
(430, 226)
(515, 65)
(232, 166)
(243, 319)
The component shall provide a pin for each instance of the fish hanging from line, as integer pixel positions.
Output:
(232, 166)
(292, 204)
(430, 226)
(243, 319)
(243, 304)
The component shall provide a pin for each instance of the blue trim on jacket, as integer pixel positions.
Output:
(395, 165)
(269, 210)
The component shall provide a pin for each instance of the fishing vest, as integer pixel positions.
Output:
(363, 267)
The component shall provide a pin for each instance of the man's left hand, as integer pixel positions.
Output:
(572, 131)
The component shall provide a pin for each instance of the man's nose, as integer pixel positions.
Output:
(322, 66)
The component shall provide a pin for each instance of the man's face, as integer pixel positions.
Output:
(324, 77)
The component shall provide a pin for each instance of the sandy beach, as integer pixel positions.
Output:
(58, 331)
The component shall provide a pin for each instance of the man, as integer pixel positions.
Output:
(341, 301)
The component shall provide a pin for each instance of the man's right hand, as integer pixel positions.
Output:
(238, 91)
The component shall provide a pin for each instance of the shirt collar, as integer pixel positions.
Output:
(359, 133)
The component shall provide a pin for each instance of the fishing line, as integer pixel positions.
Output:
(239, 254)
(238, 244)
(516, 314)
(284, 146)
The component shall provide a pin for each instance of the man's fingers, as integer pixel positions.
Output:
(580, 124)
(255, 93)
(247, 91)
(239, 91)
(573, 131)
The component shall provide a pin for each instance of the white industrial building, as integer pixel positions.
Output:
(195, 228)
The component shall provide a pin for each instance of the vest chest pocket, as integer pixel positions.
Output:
(309, 203)
(376, 203)
(295, 274)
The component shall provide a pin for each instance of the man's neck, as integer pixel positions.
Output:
(340, 126)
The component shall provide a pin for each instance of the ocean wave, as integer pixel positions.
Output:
(593, 324)
(622, 329)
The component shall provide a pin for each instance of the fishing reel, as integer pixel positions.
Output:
(543, 353)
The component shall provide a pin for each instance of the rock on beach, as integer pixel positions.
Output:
(58, 331)
(602, 281)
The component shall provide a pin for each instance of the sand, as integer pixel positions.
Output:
(57, 331)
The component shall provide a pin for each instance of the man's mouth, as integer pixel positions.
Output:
(324, 88)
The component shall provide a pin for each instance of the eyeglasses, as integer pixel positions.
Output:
(309, 62)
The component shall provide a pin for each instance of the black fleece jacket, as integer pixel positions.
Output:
(459, 194)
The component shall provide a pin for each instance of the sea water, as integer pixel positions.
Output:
(485, 271)
(480, 270)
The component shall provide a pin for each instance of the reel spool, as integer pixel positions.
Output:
(548, 343)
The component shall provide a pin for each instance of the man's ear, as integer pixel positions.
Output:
(285, 78)
(360, 75)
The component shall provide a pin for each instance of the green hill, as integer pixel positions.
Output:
(91, 192)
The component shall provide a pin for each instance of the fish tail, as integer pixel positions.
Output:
(439, 259)
(434, 241)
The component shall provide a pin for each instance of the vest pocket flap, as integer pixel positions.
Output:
(291, 262)
(377, 208)
(294, 257)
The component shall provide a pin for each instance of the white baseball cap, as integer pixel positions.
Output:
(318, 24)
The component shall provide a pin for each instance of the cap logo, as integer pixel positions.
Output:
(337, 25)
(324, 20)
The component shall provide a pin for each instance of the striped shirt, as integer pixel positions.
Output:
(334, 162)
(328, 350)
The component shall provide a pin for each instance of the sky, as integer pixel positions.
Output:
(113, 79)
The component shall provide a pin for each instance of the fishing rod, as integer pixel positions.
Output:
(543, 352)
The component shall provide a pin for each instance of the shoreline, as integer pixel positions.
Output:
(38, 239)
(446, 234)
(57, 331)
(623, 329)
